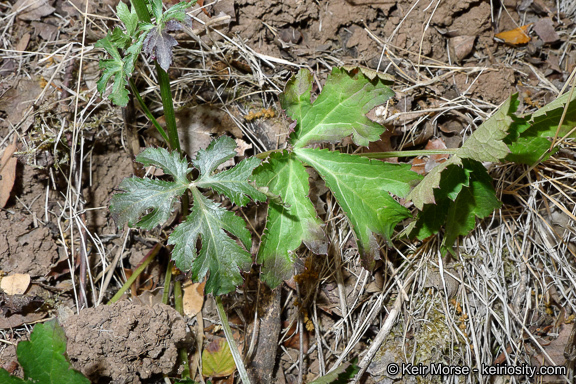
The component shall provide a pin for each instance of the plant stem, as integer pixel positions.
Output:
(167, 280)
(166, 95)
(264, 155)
(164, 82)
(179, 306)
(147, 111)
(136, 273)
(231, 343)
(424, 152)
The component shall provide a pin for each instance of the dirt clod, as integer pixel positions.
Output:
(125, 342)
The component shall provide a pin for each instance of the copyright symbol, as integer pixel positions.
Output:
(392, 369)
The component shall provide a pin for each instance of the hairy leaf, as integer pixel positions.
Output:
(219, 254)
(233, 183)
(43, 358)
(340, 109)
(158, 45)
(218, 152)
(362, 188)
(288, 224)
(142, 195)
(171, 163)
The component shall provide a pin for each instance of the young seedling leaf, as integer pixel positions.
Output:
(220, 254)
(485, 144)
(43, 358)
(339, 111)
(290, 222)
(362, 188)
(158, 43)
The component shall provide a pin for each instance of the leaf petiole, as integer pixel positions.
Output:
(424, 152)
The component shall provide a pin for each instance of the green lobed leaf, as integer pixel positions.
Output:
(43, 358)
(485, 144)
(129, 18)
(113, 68)
(465, 193)
(171, 163)
(218, 152)
(142, 195)
(219, 254)
(288, 224)
(340, 109)
(233, 183)
(529, 141)
(362, 188)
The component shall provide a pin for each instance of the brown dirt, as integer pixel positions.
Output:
(126, 343)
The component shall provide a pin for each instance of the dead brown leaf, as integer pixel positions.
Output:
(18, 99)
(554, 349)
(193, 298)
(7, 173)
(15, 284)
(461, 46)
(32, 9)
(22, 43)
(544, 28)
(423, 166)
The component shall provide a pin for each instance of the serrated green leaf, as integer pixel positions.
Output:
(339, 111)
(113, 68)
(178, 12)
(288, 224)
(219, 254)
(43, 358)
(171, 163)
(529, 142)
(233, 183)
(362, 188)
(156, 9)
(433, 216)
(142, 195)
(485, 144)
(218, 152)
(120, 39)
(474, 198)
(129, 18)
